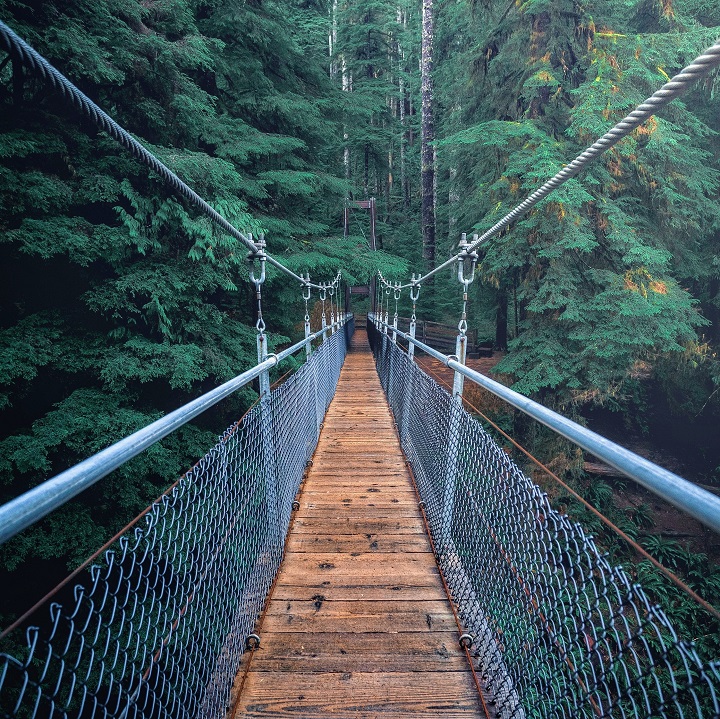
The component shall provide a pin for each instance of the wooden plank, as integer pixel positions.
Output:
(358, 525)
(359, 616)
(359, 695)
(357, 483)
(376, 512)
(359, 624)
(367, 542)
(320, 501)
(348, 568)
(353, 652)
(336, 487)
(402, 588)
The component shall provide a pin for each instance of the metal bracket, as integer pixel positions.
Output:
(464, 257)
(414, 291)
(261, 256)
(466, 641)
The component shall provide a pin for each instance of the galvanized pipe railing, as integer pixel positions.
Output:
(156, 625)
(686, 496)
(558, 630)
(23, 511)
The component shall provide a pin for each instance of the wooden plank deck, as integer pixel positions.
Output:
(359, 624)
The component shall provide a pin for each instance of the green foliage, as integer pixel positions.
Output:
(122, 303)
(119, 302)
(598, 270)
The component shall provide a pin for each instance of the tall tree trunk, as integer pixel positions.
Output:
(347, 87)
(403, 174)
(427, 172)
(402, 22)
(369, 73)
(453, 200)
(332, 37)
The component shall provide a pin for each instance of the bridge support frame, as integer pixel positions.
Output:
(269, 471)
(414, 296)
(467, 261)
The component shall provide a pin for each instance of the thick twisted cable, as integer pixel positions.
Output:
(701, 67)
(30, 58)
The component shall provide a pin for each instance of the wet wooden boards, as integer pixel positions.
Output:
(358, 625)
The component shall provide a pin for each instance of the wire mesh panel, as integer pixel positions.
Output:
(158, 627)
(559, 632)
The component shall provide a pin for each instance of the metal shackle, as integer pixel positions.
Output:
(414, 291)
(257, 255)
(306, 289)
(397, 291)
(463, 256)
(323, 292)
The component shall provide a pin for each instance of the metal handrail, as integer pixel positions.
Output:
(686, 496)
(28, 508)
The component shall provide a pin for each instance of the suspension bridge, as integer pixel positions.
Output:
(357, 544)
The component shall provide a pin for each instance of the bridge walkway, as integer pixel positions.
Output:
(359, 624)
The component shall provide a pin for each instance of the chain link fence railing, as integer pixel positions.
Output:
(558, 631)
(158, 627)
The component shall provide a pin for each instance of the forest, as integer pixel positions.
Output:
(120, 303)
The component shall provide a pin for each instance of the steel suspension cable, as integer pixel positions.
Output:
(701, 67)
(30, 58)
